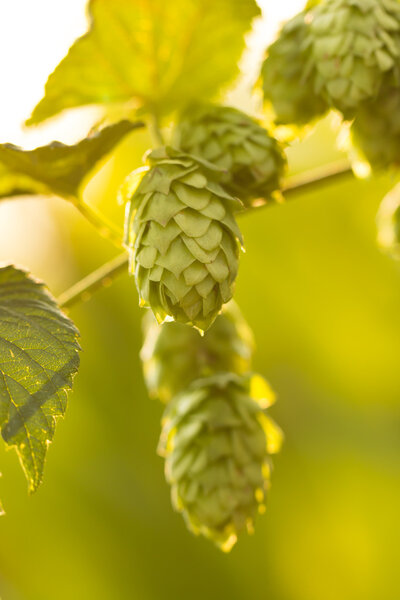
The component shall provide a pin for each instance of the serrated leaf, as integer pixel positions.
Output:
(38, 358)
(156, 55)
(56, 168)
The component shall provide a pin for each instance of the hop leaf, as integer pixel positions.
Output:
(174, 355)
(217, 443)
(376, 129)
(287, 79)
(252, 160)
(183, 239)
(388, 221)
(353, 44)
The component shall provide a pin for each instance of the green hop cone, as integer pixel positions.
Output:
(286, 77)
(375, 131)
(252, 161)
(388, 221)
(217, 442)
(353, 43)
(183, 239)
(173, 355)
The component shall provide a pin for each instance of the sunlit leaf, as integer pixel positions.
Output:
(38, 358)
(56, 168)
(150, 53)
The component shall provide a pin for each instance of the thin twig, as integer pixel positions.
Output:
(104, 275)
(100, 278)
(104, 227)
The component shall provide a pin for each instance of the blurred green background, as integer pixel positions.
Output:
(324, 304)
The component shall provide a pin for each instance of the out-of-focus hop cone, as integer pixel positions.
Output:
(182, 237)
(375, 131)
(173, 354)
(252, 161)
(217, 441)
(288, 79)
(388, 221)
(353, 45)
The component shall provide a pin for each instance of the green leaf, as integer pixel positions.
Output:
(38, 358)
(56, 168)
(154, 54)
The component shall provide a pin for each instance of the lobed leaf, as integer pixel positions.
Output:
(152, 54)
(56, 168)
(38, 359)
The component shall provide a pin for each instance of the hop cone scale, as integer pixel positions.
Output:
(286, 77)
(174, 355)
(376, 129)
(252, 161)
(217, 443)
(183, 239)
(353, 43)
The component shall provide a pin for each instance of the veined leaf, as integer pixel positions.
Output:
(152, 54)
(56, 168)
(38, 358)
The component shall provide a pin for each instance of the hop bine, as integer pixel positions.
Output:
(217, 443)
(287, 78)
(174, 355)
(183, 238)
(353, 45)
(251, 160)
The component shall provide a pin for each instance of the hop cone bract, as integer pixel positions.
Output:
(183, 239)
(376, 129)
(217, 442)
(252, 161)
(174, 355)
(353, 44)
(286, 77)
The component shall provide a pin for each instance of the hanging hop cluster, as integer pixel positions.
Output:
(287, 85)
(252, 162)
(183, 238)
(353, 44)
(217, 443)
(174, 355)
(216, 437)
(348, 59)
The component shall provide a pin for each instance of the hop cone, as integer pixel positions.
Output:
(174, 355)
(389, 223)
(217, 441)
(183, 240)
(287, 80)
(376, 129)
(353, 44)
(252, 160)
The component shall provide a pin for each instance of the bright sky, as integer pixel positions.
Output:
(34, 37)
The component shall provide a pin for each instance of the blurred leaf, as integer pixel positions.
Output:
(38, 358)
(56, 168)
(155, 54)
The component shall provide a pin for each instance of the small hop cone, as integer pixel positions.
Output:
(388, 221)
(375, 131)
(252, 161)
(217, 442)
(353, 44)
(287, 79)
(174, 355)
(183, 239)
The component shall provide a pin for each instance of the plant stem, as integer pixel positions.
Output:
(100, 278)
(105, 228)
(155, 131)
(104, 275)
